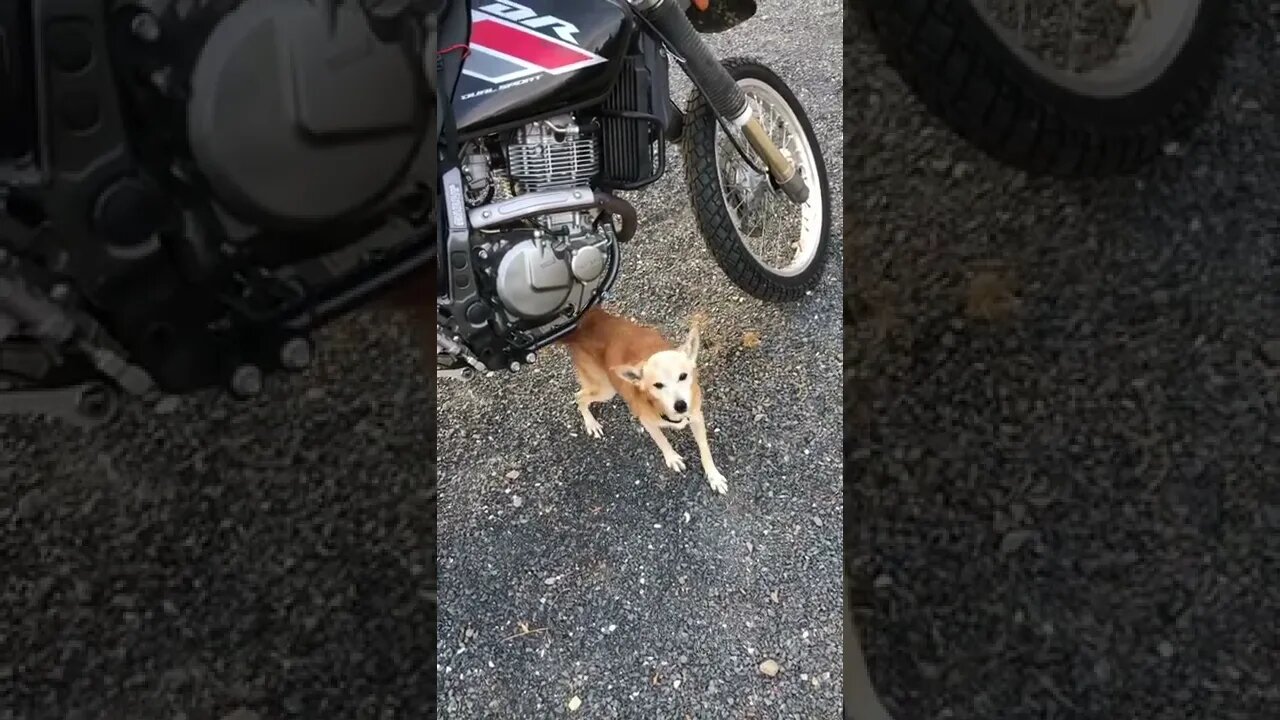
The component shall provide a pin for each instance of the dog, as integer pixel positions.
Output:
(614, 356)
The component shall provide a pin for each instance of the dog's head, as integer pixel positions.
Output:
(667, 379)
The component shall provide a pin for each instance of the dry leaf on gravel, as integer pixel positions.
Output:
(525, 629)
(990, 296)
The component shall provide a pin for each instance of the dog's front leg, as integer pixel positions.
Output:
(669, 454)
(699, 427)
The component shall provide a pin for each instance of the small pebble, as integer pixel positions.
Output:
(1271, 352)
(1014, 541)
(167, 405)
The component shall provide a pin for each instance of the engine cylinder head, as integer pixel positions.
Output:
(551, 155)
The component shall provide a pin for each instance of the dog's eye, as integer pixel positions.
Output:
(657, 386)
(684, 376)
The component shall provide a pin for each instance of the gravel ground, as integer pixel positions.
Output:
(578, 567)
(272, 559)
(1062, 403)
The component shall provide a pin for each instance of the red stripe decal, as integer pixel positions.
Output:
(525, 45)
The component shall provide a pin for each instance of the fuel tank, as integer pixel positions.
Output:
(538, 57)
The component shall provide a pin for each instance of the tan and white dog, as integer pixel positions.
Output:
(614, 356)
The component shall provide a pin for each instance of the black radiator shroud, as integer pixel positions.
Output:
(634, 119)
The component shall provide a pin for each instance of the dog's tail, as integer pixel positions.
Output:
(697, 322)
(693, 340)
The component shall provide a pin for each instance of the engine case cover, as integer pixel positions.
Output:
(299, 117)
(533, 282)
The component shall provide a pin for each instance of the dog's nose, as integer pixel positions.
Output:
(681, 406)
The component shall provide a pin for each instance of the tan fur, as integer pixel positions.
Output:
(614, 356)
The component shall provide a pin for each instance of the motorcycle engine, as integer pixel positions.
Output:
(548, 265)
(209, 179)
(538, 275)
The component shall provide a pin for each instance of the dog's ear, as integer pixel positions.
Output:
(691, 344)
(633, 374)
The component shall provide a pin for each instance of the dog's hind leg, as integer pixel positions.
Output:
(699, 427)
(595, 388)
(585, 397)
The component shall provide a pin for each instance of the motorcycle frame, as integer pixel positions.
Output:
(456, 279)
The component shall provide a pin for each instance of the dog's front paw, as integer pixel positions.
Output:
(594, 428)
(717, 481)
(675, 462)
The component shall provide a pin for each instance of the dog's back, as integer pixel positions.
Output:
(610, 340)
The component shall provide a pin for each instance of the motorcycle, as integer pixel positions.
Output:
(189, 190)
(550, 109)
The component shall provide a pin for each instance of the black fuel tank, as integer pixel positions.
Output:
(538, 57)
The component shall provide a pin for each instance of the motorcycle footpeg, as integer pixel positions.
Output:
(86, 406)
(461, 374)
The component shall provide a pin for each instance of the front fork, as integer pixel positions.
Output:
(720, 89)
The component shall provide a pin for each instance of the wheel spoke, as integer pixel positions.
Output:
(1022, 22)
(1071, 35)
(741, 203)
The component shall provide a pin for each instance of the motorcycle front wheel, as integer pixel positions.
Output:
(769, 246)
(1072, 88)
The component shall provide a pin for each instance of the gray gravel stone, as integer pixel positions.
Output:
(1271, 352)
(228, 560)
